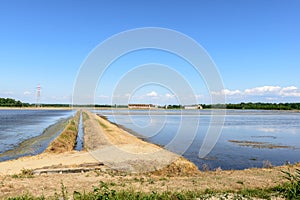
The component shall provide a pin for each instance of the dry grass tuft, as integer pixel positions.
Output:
(180, 167)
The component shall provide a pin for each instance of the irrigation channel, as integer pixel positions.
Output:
(79, 140)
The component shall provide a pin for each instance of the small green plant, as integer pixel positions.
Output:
(291, 190)
(112, 184)
(142, 180)
(64, 191)
(25, 173)
(163, 179)
(104, 191)
(27, 197)
(258, 193)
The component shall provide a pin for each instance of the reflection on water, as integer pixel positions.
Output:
(275, 128)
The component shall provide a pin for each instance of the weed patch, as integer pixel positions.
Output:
(25, 173)
(66, 141)
(291, 189)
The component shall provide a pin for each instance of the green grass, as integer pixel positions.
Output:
(291, 189)
(258, 193)
(103, 191)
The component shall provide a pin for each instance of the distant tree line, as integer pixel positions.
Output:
(255, 106)
(252, 106)
(8, 102)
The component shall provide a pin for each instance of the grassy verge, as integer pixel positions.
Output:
(66, 141)
(85, 116)
(291, 189)
(107, 190)
(104, 191)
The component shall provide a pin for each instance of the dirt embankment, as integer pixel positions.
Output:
(122, 151)
(66, 141)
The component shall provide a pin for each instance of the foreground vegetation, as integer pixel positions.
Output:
(288, 190)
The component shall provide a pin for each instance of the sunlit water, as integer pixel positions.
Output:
(17, 126)
(270, 127)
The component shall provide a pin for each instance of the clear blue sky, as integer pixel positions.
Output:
(255, 45)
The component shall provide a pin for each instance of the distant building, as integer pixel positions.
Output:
(193, 107)
(141, 106)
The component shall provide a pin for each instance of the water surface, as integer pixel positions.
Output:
(279, 128)
(29, 129)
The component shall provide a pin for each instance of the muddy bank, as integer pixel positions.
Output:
(260, 145)
(35, 145)
(66, 140)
